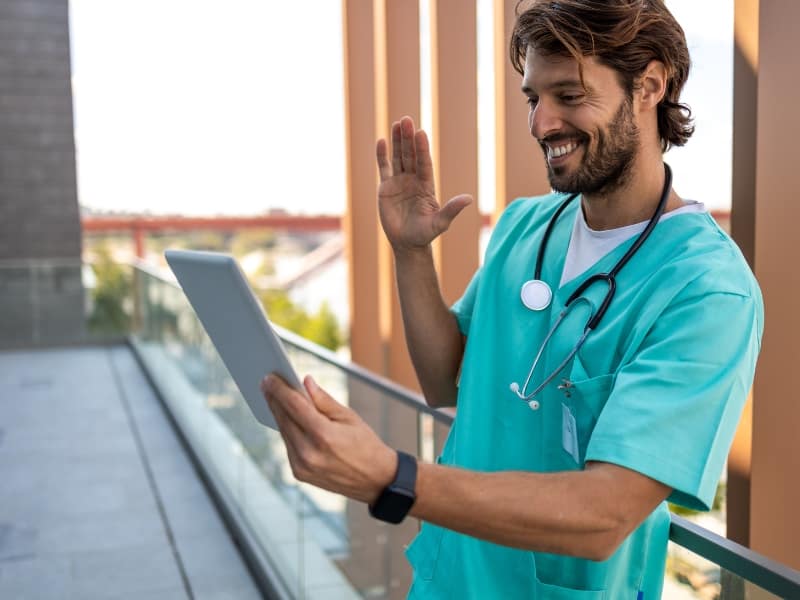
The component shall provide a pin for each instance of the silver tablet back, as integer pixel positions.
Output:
(236, 323)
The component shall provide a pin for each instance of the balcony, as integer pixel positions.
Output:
(132, 468)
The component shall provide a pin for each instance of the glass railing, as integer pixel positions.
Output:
(306, 543)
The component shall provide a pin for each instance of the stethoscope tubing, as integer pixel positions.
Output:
(522, 394)
(609, 278)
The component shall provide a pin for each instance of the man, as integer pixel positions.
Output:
(562, 495)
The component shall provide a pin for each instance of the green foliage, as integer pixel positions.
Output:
(213, 241)
(320, 328)
(323, 328)
(249, 240)
(113, 289)
(719, 500)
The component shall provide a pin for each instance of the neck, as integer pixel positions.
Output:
(634, 202)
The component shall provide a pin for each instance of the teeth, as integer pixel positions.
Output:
(557, 151)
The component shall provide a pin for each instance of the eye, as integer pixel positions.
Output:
(532, 101)
(571, 98)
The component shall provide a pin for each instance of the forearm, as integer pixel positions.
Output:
(576, 513)
(432, 334)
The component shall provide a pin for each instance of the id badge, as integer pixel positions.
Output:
(569, 433)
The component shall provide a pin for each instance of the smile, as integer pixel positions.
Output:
(561, 151)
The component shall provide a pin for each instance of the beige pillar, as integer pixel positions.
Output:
(743, 206)
(361, 232)
(382, 67)
(775, 491)
(454, 103)
(520, 165)
(397, 94)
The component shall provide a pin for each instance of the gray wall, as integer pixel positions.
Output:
(41, 297)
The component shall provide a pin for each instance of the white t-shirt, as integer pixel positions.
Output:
(587, 246)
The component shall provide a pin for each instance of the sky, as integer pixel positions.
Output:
(236, 106)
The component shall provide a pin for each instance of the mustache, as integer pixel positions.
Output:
(578, 136)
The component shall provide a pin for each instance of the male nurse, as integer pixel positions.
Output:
(563, 495)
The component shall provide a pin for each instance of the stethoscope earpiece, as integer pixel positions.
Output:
(533, 404)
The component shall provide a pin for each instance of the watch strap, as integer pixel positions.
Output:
(395, 501)
(406, 476)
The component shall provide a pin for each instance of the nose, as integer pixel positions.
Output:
(543, 119)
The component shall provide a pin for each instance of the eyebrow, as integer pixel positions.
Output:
(564, 83)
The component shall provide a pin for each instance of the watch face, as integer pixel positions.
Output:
(393, 505)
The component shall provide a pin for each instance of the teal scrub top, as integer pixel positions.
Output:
(658, 387)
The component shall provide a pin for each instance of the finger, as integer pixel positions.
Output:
(408, 153)
(289, 430)
(282, 418)
(451, 210)
(291, 402)
(324, 401)
(424, 162)
(397, 162)
(293, 439)
(384, 169)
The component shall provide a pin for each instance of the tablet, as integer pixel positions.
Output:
(236, 323)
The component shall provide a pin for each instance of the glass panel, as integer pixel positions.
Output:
(54, 301)
(321, 544)
(691, 576)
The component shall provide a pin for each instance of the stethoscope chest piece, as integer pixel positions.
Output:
(536, 294)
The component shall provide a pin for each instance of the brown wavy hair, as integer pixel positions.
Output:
(624, 35)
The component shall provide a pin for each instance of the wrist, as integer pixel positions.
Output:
(385, 472)
(416, 259)
(412, 254)
(395, 500)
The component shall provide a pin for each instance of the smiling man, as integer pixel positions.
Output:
(605, 348)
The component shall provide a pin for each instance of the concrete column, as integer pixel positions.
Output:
(454, 90)
(775, 491)
(520, 163)
(40, 234)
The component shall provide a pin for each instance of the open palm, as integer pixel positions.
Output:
(410, 214)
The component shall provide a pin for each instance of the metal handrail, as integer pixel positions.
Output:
(768, 574)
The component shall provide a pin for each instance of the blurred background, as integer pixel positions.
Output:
(248, 127)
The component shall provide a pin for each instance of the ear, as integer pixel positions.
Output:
(652, 85)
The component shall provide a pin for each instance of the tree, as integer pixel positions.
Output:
(321, 328)
(113, 289)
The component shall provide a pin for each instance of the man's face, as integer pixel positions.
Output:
(588, 135)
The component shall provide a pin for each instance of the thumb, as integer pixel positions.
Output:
(323, 400)
(451, 210)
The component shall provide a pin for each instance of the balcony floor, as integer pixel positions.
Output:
(97, 496)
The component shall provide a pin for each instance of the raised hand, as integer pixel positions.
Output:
(410, 214)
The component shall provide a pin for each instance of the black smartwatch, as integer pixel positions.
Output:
(398, 497)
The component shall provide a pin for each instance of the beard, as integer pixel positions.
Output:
(605, 167)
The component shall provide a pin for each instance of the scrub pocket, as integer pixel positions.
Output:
(423, 552)
(585, 399)
(555, 592)
(563, 569)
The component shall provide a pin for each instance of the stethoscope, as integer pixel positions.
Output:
(536, 294)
